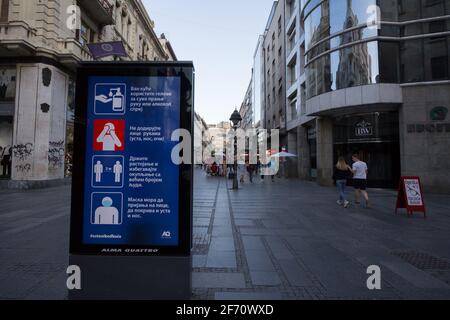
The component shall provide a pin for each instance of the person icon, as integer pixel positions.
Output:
(117, 170)
(98, 170)
(109, 138)
(106, 214)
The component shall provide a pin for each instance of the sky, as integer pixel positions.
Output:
(220, 37)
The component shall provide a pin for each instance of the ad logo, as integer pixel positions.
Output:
(166, 235)
(439, 114)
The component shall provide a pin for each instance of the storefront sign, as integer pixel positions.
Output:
(364, 129)
(130, 196)
(428, 128)
(410, 195)
(436, 114)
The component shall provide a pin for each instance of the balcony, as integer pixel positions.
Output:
(99, 10)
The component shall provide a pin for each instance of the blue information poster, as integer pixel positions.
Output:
(130, 182)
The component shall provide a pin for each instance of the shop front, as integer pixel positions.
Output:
(7, 100)
(375, 138)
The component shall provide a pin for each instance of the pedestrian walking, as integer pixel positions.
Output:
(360, 171)
(342, 172)
(241, 171)
(274, 167)
(1, 158)
(251, 169)
(6, 161)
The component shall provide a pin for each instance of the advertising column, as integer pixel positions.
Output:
(131, 182)
(131, 204)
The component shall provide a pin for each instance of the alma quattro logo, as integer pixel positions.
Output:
(363, 129)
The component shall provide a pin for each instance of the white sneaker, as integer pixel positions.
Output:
(346, 203)
(339, 202)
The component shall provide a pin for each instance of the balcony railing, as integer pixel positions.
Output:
(99, 10)
(107, 6)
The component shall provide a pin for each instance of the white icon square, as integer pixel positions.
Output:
(107, 213)
(110, 99)
(98, 172)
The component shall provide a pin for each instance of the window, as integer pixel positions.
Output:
(4, 10)
(293, 106)
(292, 72)
(303, 99)
(279, 26)
(290, 7)
(83, 34)
(437, 26)
(436, 64)
(292, 40)
(439, 68)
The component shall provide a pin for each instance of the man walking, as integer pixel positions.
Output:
(360, 170)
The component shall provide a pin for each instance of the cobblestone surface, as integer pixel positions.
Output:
(269, 240)
(298, 239)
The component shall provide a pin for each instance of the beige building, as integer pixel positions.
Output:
(41, 43)
(217, 136)
(168, 48)
(201, 138)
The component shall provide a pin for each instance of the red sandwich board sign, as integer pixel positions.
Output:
(410, 196)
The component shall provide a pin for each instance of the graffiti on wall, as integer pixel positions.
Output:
(23, 168)
(56, 154)
(23, 151)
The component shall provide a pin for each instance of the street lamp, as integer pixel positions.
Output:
(236, 120)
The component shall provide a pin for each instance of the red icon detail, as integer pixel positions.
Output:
(109, 135)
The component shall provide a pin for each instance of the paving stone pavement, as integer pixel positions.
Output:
(292, 241)
(270, 240)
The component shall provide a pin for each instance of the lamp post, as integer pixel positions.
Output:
(236, 121)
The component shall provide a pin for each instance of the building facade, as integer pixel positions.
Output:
(274, 66)
(201, 138)
(170, 53)
(41, 43)
(217, 140)
(375, 83)
(246, 109)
